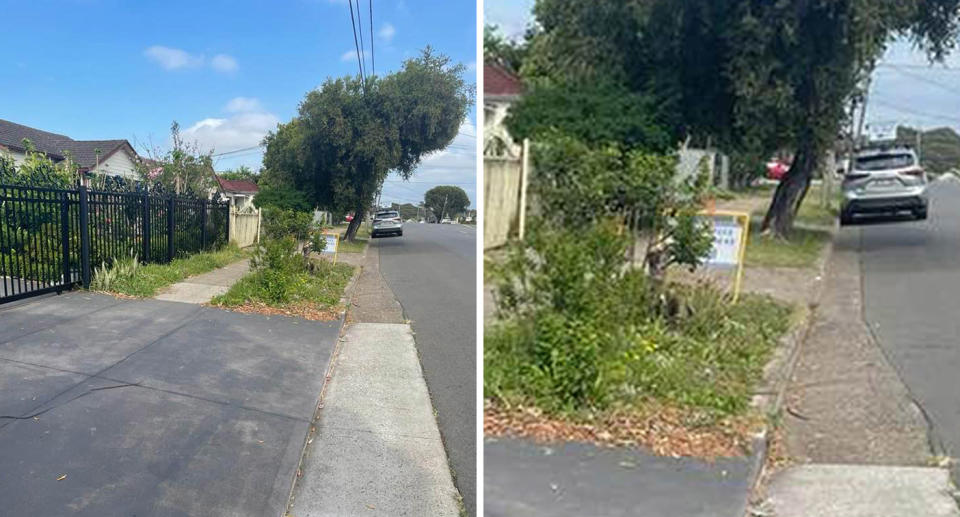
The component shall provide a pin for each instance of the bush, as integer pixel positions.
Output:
(581, 332)
(280, 223)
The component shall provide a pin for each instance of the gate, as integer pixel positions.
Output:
(51, 238)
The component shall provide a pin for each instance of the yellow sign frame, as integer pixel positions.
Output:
(336, 246)
(744, 219)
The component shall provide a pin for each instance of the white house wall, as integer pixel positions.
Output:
(118, 164)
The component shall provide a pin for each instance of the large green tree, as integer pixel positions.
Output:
(445, 201)
(750, 77)
(349, 134)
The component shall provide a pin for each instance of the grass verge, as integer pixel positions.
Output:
(130, 278)
(312, 293)
(357, 246)
(801, 249)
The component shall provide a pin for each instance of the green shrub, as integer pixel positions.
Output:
(581, 332)
(279, 223)
(321, 285)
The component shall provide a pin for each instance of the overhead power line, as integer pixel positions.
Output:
(237, 151)
(949, 89)
(924, 114)
(356, 45)
(373, 63)
(941, 68)
(363, 52)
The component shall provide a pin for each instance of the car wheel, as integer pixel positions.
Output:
(920, 215)
(399, 234)
(846, 218)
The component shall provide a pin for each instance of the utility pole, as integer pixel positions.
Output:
(863, 113)
(444, 209)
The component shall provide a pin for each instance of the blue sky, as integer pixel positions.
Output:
(227, 71)
(906, 89)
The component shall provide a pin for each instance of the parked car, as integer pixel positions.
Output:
(884, 181)
(777, 169)
(446, 221)
(387, 222)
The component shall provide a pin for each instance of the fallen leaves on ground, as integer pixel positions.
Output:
(665, 431)
(306, 311)
(119, 296)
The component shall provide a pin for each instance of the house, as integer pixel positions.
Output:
(240, 192)
(109, 157)
(501, 89)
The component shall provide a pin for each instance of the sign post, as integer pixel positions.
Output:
(730, 233)
(332, 245)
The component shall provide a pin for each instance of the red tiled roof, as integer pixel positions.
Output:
(238, 186)
(497, 81)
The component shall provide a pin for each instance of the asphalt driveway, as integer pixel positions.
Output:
(135, 408)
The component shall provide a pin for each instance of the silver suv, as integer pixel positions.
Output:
(884, 181)
(387, 223)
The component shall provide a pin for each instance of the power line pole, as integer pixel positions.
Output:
(444, 209)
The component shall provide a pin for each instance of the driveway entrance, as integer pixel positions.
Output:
(137, 408)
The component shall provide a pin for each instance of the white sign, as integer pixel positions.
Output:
(331, 243)
(726, 244)
(883, 132)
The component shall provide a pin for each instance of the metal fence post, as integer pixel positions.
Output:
(65, 236)
(84, 238)
(145, 227)
(203, 224)
(170, 205)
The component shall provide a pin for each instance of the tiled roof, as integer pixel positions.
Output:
(238, 186)
(498, 81)
(57, 146)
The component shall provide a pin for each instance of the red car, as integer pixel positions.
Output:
(776, 169)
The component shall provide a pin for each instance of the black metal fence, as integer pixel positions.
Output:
(51, 238)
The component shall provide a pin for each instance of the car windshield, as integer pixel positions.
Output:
(879, 162)
(388, 215)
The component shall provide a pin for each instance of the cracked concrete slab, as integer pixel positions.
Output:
(137, 451)
(215, 428)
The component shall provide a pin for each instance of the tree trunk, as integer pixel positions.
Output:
(354, 225)
(790, 192)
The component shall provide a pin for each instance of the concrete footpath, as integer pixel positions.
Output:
(200, 289)
(375, 449)
(855, 440)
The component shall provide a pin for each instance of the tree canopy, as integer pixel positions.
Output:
(446, 201)
(747, 77)
(240, 173)
(349, 134)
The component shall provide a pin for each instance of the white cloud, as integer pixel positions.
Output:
(456, 165)
(223, 63)
(511, 16)
(351, 55)
(172, 58)
(242, 105)
(245, 127)
(387, 32)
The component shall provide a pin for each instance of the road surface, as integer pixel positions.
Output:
(432, 272)
(911, 284)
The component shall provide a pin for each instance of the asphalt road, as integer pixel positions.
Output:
(911, 284)
(144, 407)
(432, 272)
